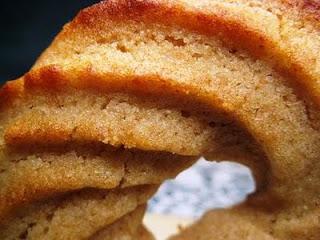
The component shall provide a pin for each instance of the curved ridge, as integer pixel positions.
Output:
(199, 87)
(89, 209)
(271, 29)
(241, 60)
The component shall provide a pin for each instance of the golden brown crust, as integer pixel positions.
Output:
(55, 80)
(100, 10)
(217, 21)
(10, 91)
(34, 177)
(240, 61)
(310, 8)
(128, 227)
(144, 234)
(223, 225)
(75, 215)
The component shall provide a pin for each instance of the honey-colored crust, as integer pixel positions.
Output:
(77, 215)
(231, 79)
(222, 225)
(270, 29)
(30, 177)
(128, 227)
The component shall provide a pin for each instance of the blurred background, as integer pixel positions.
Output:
(28, 27)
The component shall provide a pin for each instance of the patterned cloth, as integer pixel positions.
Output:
(204, 186)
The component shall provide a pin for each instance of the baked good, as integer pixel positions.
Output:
(77, 215)
(144, 234)
(39, 173)
(222, 225)
(128, 227)
(28, 176)
(219, 78)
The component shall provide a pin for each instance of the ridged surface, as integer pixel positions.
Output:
(128, 227)
(74, 216)
(231, 79)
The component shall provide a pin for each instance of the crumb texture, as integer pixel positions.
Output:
(132, 92)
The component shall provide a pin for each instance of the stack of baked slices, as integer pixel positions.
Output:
(132, 92)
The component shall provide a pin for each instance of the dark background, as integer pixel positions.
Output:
(27, 28)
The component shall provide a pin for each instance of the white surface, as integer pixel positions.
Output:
(164, 226)
(206, 185)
